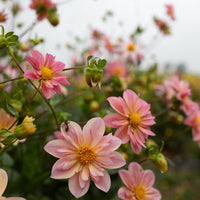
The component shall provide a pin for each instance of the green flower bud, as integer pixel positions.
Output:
(25, 129)
(160, 162)
(93, 77)
(53, 19)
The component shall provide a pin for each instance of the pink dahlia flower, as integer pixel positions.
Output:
(138, 183)
(83, 154)
(42, 7)
(170, 11)
(132, 120)
(116, 68)
(3, 184)
(47, 71)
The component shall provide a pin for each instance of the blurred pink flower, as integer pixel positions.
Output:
(115, 68)
(189, 107)
(170, 11)
(6, 121)
(42, 7)
(174, 87)
(3, 16)
(3, 184)
(83, 154)
(138, 183)
(132, 120)
(47, 71)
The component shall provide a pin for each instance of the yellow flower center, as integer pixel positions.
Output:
(139, 192)
(46, 73)
(86, 155)
(117, 71)
(131, 47)
(134, 120)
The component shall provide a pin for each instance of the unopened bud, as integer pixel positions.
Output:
(93, 77)
(25, 129)
(160, 162)
(53, 19)
(94, 105)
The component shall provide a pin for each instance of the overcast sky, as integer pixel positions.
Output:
(183, 46)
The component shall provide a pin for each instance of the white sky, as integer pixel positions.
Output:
(183, 46)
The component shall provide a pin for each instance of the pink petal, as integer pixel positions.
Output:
(103, 182)
(49, 61)
(14, 198)
(39, 59)
(65, 168)
(136, 172)
(147, 179)
(95, 127)
(3, 181)
(57, 89)
(31, 74)
(136, 147)
(60, 79)
(59, 135)
(96, 170)
(125, 194)
(47, 91)
(119, 105)
(110, 160)
(115, 120)
(58, 148)
(122, 134)
(84, 173)
(75, 188)
(58, 67)
(127, 178)
(130, 98)
(153, 194)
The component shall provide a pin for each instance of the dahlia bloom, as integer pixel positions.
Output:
(83, 154)
(3, 184)
(138, 183)
(174, 87)
(47, 71)
(42, 7)
(115, 68)
(170, 11)
(132, 120)
(6, 121)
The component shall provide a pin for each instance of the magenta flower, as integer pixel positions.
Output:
(42, 8)
(47, 71)
(116, 68)
(138, 183)
(83, 154)
(3, 184)
(132, 120)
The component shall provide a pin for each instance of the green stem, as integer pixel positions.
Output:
(45, 99)
(162, 112)
(14, 79)
(71, 68)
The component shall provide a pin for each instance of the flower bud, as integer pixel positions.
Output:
(93, 77)
(53, 19)
(25, 129)
(94, 105)
(160, 162)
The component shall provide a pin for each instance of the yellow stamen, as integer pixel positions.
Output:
(134, 120)
(131, 47)
(46, 73)
(139, 192)
(118, 71)
(85, 155)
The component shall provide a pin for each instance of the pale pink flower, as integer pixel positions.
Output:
(174, 87)
(42, 8)
(132, 120)
(6, 121)
(170, 11)
(138, 184)
(3, 184)
(115, 68)
(189, 107)
(47, 71)
(83, 154)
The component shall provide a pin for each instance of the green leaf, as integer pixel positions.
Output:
(11, 109)
(13, 38)
(9, 34)
(6, 133)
